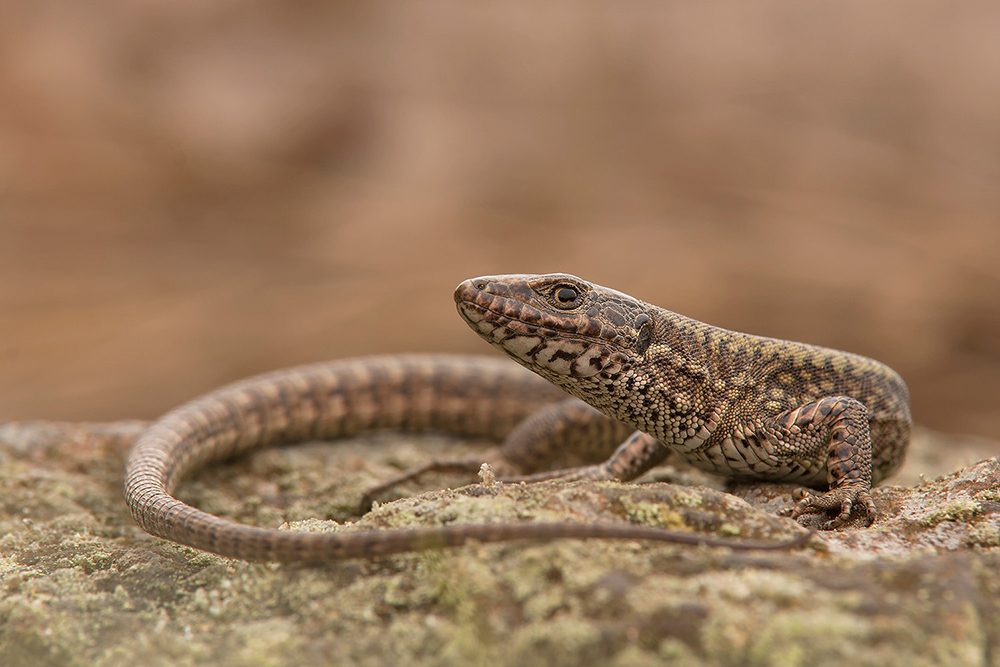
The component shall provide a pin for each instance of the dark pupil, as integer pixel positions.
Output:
(566, 294)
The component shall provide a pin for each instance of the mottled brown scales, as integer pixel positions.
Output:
(473, 396)
(730, 403)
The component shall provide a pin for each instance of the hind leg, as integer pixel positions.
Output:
(569, 431)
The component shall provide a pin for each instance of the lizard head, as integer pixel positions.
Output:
(563, 328)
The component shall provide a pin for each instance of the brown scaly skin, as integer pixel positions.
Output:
(729, 403)
(474, 396)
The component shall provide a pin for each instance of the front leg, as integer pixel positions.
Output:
(834, 432)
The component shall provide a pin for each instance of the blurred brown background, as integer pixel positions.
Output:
(191, 192)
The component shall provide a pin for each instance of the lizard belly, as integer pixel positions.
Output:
(750, 457)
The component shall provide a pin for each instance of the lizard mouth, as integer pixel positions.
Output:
(526, 335)
(489, 322)
(511, 305)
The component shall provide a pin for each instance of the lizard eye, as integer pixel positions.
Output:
(566, 296)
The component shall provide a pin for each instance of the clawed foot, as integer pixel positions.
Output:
(844, 499)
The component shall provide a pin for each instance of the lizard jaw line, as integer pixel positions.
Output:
(499, 320)
(589, 348)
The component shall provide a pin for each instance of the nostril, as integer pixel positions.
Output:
(479, 284)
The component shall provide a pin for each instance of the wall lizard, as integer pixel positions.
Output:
(734, 404)
(702, 391)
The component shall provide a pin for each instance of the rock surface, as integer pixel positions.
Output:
(83, 586)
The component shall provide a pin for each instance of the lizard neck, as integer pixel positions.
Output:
(671, 386)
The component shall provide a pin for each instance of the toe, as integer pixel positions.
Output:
(844, 501)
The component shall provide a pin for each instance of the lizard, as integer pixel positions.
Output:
(474, 396)
(742, 406)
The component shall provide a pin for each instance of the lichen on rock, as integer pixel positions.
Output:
(82, 585)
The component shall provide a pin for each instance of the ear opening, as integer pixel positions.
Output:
(645, 337)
